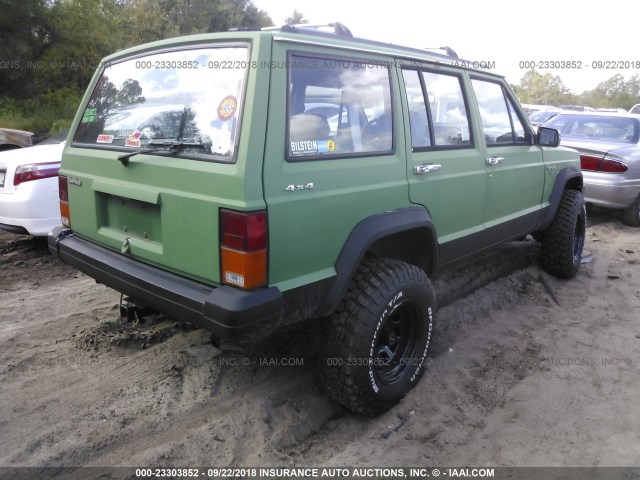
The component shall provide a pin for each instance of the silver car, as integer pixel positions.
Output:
(609, 147)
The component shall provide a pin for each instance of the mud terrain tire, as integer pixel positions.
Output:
(563, 241)
(376, 342)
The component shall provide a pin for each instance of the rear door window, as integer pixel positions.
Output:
(338, 108)
(442, 121)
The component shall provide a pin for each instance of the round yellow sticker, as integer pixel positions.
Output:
(227, 107)
(331, 145)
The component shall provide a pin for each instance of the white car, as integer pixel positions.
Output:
(29, 187)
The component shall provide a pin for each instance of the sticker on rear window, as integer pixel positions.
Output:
(104, 138)
(312, 147)
(90, 115)
(227, 108)
(133, 140)
(326, 146)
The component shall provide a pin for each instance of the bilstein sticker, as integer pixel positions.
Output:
(312, 147)
(326, 146)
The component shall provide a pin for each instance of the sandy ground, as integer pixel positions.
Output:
(514, 379)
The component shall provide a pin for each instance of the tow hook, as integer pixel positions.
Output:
(132, 313)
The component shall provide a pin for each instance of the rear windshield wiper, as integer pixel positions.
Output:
(167, 145)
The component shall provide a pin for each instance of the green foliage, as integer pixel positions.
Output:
(296, 18)
(615, 92)
(49, 49)
(543, 89)
(44, 115)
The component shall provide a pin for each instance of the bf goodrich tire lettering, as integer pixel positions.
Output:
(376, 342)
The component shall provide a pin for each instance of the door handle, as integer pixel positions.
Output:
(494, 160)
(430, 167)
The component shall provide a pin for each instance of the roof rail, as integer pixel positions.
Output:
(449, 52)
(338, 29)
(341, 30)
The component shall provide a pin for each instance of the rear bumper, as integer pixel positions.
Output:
(231, 314)
(610, 190)
(32, 206)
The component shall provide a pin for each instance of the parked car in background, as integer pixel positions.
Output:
(611, 110)
(577, 108)
(609, 147)
(530, 108)
(11, 139)
(29, 187)
(635, 109)
(538, 118)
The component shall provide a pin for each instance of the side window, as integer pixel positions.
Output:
(448, 109)
(338, 108)
(518, 128)
(442, 120)
(418, 118)
(500, 124)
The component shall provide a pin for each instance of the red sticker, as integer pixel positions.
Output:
(227, 108)
(104, 138)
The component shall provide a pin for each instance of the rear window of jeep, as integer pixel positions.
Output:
(338, 108)
(192, 96)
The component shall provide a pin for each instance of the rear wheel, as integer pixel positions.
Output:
(631, 215)
(563, 241)
(376, 342)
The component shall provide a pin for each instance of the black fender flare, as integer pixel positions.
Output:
(414, 221)
(564, 177)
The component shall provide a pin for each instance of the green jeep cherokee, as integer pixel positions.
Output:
(248, 180)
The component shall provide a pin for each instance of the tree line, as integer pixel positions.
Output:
(46, 45)
(547, 89)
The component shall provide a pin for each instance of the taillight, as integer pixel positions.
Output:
(27, 173)
(599, 164)
(587, 162)
(243, 248)
(63, 194)
(612, 166)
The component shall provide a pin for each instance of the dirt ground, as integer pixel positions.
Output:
(514, 378)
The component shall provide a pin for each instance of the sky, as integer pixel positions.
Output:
(507, 33)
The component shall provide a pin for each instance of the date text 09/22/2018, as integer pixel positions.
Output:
(579, 64)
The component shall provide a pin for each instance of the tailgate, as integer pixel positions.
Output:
(159, 210)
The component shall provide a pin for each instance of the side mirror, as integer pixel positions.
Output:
(548, 137)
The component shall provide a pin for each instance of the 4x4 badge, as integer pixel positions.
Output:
(295, 188)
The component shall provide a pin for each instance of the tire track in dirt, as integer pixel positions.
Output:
(79, 388)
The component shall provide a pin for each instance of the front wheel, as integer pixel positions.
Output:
(376, 342)
(631, 215)
(563, 241)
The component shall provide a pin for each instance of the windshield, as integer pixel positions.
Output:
(189, 95)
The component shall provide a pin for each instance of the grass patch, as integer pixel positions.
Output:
(44, 115)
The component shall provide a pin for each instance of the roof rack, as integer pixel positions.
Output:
(449, 52)
(338, 29)
(341, 30)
